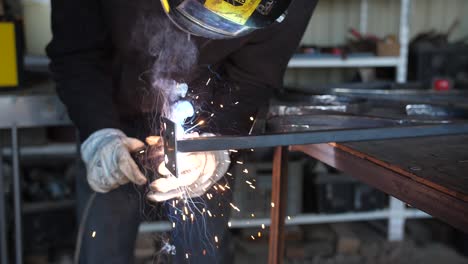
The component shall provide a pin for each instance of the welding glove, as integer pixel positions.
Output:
(106, 154)
(198, 172)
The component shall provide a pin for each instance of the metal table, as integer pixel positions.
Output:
(23, 110)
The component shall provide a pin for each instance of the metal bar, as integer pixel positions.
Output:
(17, 196)
(364, 16)
(307, 219)
(402, 68)
(302, 219)
(314, 137)
(396, 220)
(278, 205)
(3, 229)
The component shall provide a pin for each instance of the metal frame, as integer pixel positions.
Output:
(23, 112)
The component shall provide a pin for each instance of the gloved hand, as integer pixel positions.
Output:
(198, 171)
(106, 154)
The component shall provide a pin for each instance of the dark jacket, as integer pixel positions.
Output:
(101, 53)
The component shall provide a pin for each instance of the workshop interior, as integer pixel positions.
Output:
(360, 155)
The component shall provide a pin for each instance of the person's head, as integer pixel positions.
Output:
(221, 19)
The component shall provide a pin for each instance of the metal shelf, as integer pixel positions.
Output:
(343, 63)
(53, 149)
(400, 62)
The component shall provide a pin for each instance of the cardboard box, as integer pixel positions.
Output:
(388, 47)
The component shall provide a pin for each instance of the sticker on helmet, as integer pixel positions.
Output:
(237, 11)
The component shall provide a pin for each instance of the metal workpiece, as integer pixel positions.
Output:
(169, 135)
(305, 105)
(321, 136)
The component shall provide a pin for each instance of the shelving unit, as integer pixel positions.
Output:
(400, 63)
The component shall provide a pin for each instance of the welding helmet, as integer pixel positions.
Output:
(222, 19)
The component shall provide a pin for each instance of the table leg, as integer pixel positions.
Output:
(3, 229)
(278, 205)
(17, 196)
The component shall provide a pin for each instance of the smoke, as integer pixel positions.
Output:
(172, 56)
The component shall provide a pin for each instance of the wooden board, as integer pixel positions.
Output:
(438, 162)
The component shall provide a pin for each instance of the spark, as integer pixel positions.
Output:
(248, 182)
(252, 150)
(212, 114)
(183, 217)
(239, 162)
(186, 255)
(253, 215)
(229, 224)
(272, 204)
(222, 106)
(233, 150)
(196, 97)
(208, 82)
(253, 238)
(251, 186)
(245, 171)
(93, 235)
(289, 218)
(214, 187)
(236, 103)
(263, 226)
(216, 239)
(227, 187)
(204, 252)
(212, 102)
(221, 187)
(228, 173)
(209, 213)
(191, 217)
(186, 210)
(235, 207)
(173, 225)
(201, 122)
(203, 210)
(251, 118)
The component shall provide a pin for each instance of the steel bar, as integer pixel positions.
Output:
(278, 205)
(17, 196)
(3, 229)
(315, 137)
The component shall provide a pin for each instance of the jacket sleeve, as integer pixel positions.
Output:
(257, 69)
(80, 54)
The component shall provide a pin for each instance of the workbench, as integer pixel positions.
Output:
(429, 173)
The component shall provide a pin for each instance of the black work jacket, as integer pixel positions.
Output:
(101, 56)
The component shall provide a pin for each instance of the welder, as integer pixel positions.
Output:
(99, 66)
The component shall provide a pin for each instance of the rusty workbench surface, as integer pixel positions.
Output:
(430, 174)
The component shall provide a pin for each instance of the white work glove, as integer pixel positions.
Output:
(109, 164)
(198, 172)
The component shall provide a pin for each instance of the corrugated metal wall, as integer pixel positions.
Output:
(332, 19)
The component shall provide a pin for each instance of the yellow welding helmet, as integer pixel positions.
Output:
(221, 19)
